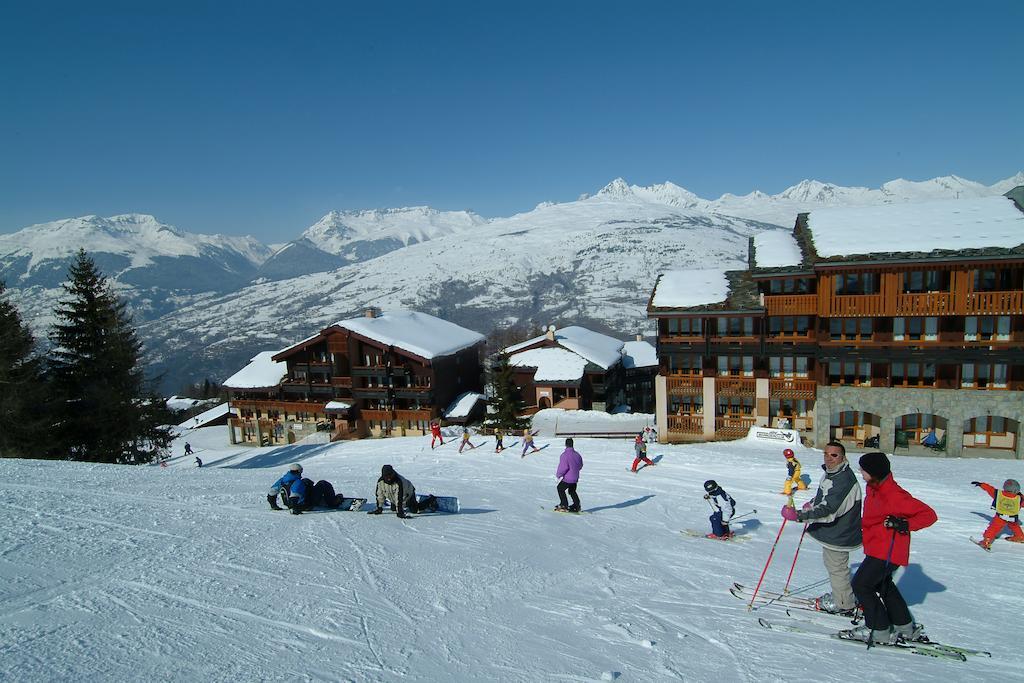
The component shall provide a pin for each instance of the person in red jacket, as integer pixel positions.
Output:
(435, 433)
(1007, 503)
(890, 514)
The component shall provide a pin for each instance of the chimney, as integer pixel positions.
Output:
(639, 337)
(372, 312)
(550, 334)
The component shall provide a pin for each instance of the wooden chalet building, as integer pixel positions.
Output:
(875, 325)
(377, 375)
(577, 369)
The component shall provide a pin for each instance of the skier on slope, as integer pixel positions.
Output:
(1007, 504)
(498, 436)
(890, 514)
(568, 473)
(528, 442)
(399, 491)
(465, 440)
(435, 433)
(199, 463)
(725, 508)
(640, 449)
(833, 518)
(188, 448)
(793, 477)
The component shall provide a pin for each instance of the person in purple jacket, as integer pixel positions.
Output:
(569, 465)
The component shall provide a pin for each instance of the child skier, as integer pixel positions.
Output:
(725, 508)
(792, 473)
(528, 442)
(640, 447)
(498, 436)
(465, 440)
(435, 433)
(1007, 503)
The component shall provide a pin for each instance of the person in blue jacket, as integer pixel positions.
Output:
(302, 494)
(293, 475)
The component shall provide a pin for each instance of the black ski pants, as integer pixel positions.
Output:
(571, 488)
(878, 595)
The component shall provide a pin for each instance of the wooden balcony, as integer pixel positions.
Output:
(927, 303)
(686, 424)
(412, 415)
(341, 381)
(376, 415)
(733, 427)
(684, 385)
(856, 306)
(281, 406)
(994, 303)
(791, 304)
(786, 387)
(735, 386)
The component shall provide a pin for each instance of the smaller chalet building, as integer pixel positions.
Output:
(377, 375)
(577, 369)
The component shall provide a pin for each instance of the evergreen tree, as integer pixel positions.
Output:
(105, 411)
(22, 399)
(506, 403)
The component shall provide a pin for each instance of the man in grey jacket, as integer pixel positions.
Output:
(834, 522)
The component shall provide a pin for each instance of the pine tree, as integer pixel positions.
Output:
(506, 403)
(22, 399)
(104, 409)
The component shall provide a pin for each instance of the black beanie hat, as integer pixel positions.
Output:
(876, 464)
(387, 471)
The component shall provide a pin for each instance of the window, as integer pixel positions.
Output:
(983, 376)
(926, 281)
(788, 326)
(849, 372)
(685, 327)
(735, 327)
(913, 375)
(915, 329)
(789, 407)
(986, 328)
(735, 406)
(686, 405)
(789, 286)
(787, 367)
(850, 329)
(856, 283)
(736, 366)
(679, 364)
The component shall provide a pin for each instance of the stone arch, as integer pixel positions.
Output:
(917, 427)
(859, 426)
(996, 432)
(544, 402)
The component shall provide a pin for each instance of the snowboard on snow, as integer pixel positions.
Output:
(449, 504)
(351, 504)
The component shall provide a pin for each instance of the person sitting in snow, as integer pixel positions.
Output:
(465, 440)
(793, 475)
(283, 485)
(1007, 503)
(300, 494)
(399, 491)
(640, 448)
(725, 508)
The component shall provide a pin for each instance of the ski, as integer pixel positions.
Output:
(698, 534)
(981, 545)
(927, 650)
(773, 597)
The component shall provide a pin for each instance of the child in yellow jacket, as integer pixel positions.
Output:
(792, 473)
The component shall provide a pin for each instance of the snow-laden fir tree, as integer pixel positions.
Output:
(104, 409)
(22, 400)
(506, 404)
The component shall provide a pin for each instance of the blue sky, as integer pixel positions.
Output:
(258, 118)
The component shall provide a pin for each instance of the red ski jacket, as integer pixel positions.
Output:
(885, 498)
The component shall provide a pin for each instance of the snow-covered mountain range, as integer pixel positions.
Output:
(207, 303)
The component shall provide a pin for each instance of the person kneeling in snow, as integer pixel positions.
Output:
(725, 508)
(1007, 504)
(400, 492)
(301, 494)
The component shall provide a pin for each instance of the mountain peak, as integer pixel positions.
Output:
(616, 188)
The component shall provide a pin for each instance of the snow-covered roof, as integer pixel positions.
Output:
(181, 403)
(919, 227)
(599, 349)
(260, 373)
(205, 417)
(553, 364)
(776, 249)
(686, 288)
(337, 405)
(418, 333)
(638, 354)
(463, 404)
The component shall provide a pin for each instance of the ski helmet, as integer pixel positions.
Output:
(295, 467)
(1011, 486)
(710, 485)
(789, 453)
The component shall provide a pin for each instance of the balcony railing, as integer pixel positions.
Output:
(995, 303)
(785, 387)
(927, 303)
(341, 381)
(791, 304)
(413, 415)
(376, 415)
(684, 385)
(856, 306)
(733, 427)
(736, 386)
(686, 424)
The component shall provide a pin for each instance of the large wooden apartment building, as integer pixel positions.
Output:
(380, 374)
(884, 326)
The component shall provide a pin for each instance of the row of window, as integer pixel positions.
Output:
(976, 328)
(919, 281)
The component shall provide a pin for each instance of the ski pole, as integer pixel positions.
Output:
(785, 590)
(768, 562)
(745, 514)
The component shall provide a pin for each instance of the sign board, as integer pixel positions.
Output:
(777, 436)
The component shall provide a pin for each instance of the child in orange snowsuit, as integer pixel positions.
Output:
(640, 447)
(792, 473)
(1007, 503)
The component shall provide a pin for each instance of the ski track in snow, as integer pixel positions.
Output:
(178, 573)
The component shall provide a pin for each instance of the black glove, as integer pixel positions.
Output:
(975, 483)
(273, 502)
(897, 524)
(374, 512)
(296, 510)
